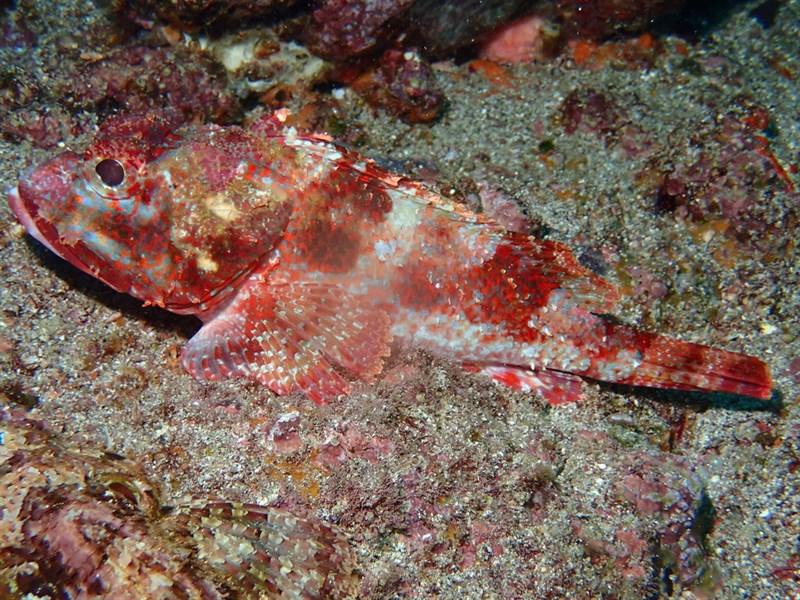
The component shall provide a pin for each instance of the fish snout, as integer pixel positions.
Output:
(46, 186)
(49, 184)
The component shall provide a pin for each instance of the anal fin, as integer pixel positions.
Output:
(555, 386)
(289, 337)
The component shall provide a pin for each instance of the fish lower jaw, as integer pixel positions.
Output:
(24, 217)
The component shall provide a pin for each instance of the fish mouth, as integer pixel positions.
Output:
(49, 239)
(24, 206)
(28, 222)
(55, 177)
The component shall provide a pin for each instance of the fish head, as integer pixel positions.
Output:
(174, 219)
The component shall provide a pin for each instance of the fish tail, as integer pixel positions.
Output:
(663, 362)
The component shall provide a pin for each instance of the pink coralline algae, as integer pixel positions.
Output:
(79, 522)
(139, 79)
(24, 113)
(47, 108)
(726, 185)
(647, 288)
(673, 491)
(344, 28)
(398, 79)
(587, 110)
(403, 84)
(667, 516)
(518, 42)
(42, 128)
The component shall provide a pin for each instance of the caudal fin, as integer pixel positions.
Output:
(674, 364)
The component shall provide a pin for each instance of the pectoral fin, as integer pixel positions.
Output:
(290, 337)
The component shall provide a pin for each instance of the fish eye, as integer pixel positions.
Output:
(110, 171)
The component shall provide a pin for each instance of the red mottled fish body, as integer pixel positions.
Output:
(306, 260)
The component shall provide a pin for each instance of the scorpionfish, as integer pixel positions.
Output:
(81, 523)
(307, 262)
